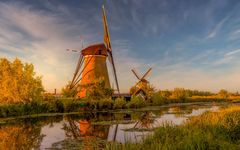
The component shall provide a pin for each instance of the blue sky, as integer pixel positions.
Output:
(189, 43)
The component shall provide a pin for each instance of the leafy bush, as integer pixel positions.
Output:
(55, 106)
(157, 99)
(136, 102)
(97, 90)
(223, 93)
(105, 103)
(119, 103)
(179, 94)
(37, 107)
(91, 104)
(68, 92)
(73, 105)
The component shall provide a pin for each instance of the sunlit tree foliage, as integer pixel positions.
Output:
(18, 82)
(223, 93)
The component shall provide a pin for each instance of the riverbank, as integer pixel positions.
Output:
(212, 130)
(66, 105)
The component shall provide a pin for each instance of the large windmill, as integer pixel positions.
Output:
(142, 87)
(92, 65)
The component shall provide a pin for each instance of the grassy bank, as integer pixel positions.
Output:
(39, 107)
(213, 130)
(66, 105)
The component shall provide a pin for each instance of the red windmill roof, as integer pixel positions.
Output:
(95, 49)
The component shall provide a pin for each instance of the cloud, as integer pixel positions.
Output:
(234, 35)
(40, 37)
(217, 28)
(232, 52)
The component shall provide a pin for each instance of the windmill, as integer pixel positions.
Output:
(142, 87)
(92, 65)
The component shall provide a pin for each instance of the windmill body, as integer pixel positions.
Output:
(142, 87)
(92, 65)
(95, 57)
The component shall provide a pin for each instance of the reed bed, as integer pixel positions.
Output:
(212, 130)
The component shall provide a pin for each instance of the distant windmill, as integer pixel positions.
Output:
(141, 87)
(92, 63)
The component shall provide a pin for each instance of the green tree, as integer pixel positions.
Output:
(67, 92)
(97, 90)
(18, 82)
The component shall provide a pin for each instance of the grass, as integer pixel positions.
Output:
(212, 130)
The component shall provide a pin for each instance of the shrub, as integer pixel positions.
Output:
(71, 104)
(105, 103)
(157, 99)
(136, 102)
(119, 103)
(55, 106)
(180, 94)
(223, 93)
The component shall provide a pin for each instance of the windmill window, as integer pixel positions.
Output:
(100, 52)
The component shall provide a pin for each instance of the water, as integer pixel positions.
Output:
(92, 130)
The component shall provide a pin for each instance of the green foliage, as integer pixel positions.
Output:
(91, 104)
(231, 124)
(97, 90)
(105, 103)
(73, 105)
(158, 99)
(38, 107)
(136, 102)
(67, 92)
(18, 83)
(119, 103)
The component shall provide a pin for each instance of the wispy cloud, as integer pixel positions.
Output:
(168, 38)
(41, 38)
(217, 28)
(233, 52)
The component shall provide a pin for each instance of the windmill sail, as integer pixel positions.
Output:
(106, 32)
(147, 73)
(109, 48)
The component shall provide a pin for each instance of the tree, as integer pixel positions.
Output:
(179, 93)
(97, 90)
(18, 82)
(223, 93)
(165, 93)
(67, 92)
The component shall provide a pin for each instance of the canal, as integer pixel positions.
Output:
(91, 130)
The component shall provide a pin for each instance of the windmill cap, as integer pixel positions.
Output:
(95, 49)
